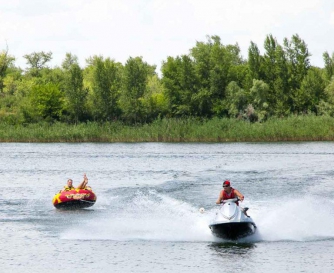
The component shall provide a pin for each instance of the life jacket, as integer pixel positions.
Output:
(67, 188)
(230, 195)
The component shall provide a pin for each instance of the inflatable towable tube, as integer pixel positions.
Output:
(74, 199)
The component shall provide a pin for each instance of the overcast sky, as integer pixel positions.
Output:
(156, 29)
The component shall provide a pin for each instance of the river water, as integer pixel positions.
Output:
(146, 218)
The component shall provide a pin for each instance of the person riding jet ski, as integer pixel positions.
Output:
(230, 193)
(231, 221)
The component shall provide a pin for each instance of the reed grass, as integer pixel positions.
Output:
(293, 128)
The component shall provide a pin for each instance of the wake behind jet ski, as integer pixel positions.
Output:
(231, 221)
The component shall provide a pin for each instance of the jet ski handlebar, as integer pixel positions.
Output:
(230, 200)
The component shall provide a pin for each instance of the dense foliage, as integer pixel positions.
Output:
(213, 80)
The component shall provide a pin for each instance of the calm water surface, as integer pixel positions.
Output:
(146, 216)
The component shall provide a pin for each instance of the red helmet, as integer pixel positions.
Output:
(226, 183)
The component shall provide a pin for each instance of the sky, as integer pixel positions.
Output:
(156, 29)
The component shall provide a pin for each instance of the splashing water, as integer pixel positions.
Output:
(149, 216)
(304, 219)
(154, 216)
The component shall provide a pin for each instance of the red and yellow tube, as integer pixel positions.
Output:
(74, 199)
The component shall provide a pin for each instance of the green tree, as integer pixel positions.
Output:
(281, 84)
(311, 92)
(135, 78)
(299, 60)
(45, 103)
(276, 75)
(154, 101)
(259, 99)
(326, 106)
(329, 65)
(202, 58)
(222, 59)
(69, 60)
(269, 62)
(180, 82)
(255, 62)
(188, 82)
(5, 62)
(216, 65)
(241, 74)
(37, 61)
(52, 75)
(105, 76)
(75, 93)
(171, 83)
(236, 100)
(329, 91)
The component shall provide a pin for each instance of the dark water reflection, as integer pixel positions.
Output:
(232, 248)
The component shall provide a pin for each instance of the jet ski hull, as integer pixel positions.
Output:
(233, 230)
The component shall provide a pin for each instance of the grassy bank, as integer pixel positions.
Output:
(295, 128)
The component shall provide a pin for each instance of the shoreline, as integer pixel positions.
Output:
(293, 128)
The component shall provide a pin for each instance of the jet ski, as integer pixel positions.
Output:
(231, 221)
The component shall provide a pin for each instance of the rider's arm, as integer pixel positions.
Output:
(237, 193)
(219, 198)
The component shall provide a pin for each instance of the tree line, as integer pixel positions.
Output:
(212, 80)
